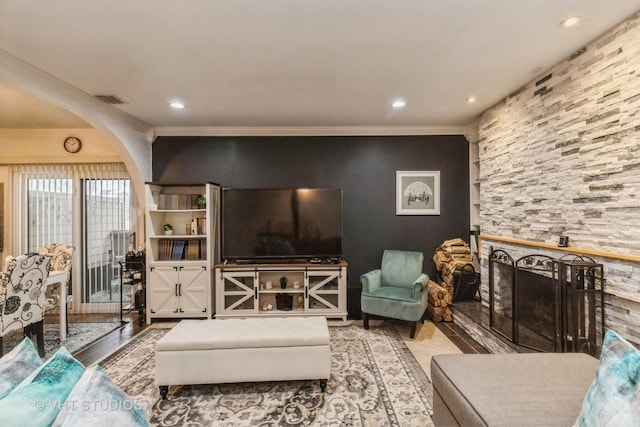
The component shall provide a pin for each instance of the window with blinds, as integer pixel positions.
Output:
(84, 205)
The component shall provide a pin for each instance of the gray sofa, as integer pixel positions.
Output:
(528, 389)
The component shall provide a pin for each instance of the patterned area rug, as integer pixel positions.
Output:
(80, 335)
(375, 381)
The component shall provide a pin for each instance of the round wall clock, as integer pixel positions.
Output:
(72, 144)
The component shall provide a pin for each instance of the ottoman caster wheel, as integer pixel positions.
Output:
(164, 390)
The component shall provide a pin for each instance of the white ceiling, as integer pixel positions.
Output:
(292, 63)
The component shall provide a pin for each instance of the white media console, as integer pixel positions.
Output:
(256, 290)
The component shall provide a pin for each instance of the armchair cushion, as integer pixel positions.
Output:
(393, 293)
(401, 268)
(410, 310)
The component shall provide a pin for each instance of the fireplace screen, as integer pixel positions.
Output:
(536, 303)
(547, 304)
(501, 280)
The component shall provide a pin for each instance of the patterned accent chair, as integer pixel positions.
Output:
(397, 290)
(62, 260)
(22, 298)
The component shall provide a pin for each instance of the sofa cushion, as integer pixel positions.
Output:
(37, 400)
(613, 399)
(97, 401)
(16, 365)
(530, 389)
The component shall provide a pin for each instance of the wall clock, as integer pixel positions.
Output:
(72, 144)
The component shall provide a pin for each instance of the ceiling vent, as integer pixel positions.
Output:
(109, 99)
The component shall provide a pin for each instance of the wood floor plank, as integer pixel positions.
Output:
(109, 342)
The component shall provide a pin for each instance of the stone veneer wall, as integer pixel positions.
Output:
(561, 156)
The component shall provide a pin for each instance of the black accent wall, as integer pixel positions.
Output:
(363, 166)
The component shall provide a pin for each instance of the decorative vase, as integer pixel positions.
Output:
(168, 232)
(283, 282)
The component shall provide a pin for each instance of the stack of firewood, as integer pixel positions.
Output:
(450, 256)
(439, 300)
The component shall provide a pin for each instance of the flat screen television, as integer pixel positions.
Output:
(281, 224)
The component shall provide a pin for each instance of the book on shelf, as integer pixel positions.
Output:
(203, 249)
(177, 249)
(164, 249)
(201, 226)
(192, 252)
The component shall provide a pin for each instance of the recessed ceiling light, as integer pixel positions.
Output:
(177, 105)
(399, 103)
(471, 99)
(570, 22)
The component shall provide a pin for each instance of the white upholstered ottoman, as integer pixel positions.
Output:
(244, 350)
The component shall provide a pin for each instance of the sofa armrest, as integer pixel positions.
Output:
(419, 286)
(487, 389)
(370, 281)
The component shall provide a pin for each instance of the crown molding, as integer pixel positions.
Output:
(311, 131)
(472, 132)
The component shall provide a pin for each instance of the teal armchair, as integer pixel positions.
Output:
(397, 290)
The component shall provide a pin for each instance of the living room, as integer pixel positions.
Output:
(557, 157)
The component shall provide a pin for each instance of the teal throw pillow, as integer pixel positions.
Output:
(613, 399)
(97, 398)
(17, 364)
(37, 400)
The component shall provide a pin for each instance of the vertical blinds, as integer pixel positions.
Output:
(84, 205)
(46, 194)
